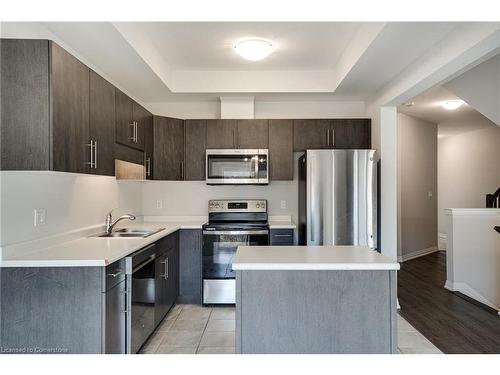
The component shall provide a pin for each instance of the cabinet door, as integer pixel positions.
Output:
(140, 117)
(102, 124)
(281, 237)
(195, 145)
(252, 134)
(148, 147)
(70, 103)
(115, 322)
(25, 112)
(310, 134)
(221, 133)
(351, 133)
(281, 149)
(172, 276)
(190, 260)
(124, 107)
(168, 151)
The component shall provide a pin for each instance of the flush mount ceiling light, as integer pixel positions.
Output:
(451, 105)
(254, 49)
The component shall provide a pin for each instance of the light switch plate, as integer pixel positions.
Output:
(40, 216)
(159, 204)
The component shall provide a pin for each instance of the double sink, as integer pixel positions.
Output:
(130, 232)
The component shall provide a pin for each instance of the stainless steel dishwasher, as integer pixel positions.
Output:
(140, 269)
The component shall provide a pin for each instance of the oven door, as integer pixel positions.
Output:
(219, 248)
(236, 167)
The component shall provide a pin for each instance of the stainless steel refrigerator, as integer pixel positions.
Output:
(338, 198)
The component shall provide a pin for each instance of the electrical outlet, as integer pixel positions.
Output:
(283, 204)
(159, 204)
(429, 194)
(40, 215)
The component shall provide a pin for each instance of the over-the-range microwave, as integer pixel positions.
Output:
(237, 166)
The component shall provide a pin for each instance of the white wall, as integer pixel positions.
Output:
(480, 88)
(473, 256)
(190, 198)
(263, 109)
(72, 201)
(417, 186)
(467, 170)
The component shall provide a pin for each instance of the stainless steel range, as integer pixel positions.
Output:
(231, 223)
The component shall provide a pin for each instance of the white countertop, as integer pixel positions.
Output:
(279, 224)
(92, 251)
(311, 258)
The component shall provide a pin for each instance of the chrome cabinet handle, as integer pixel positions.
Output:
(136, 132)
(165, 268)
(333, 137)
(95, 154)
(328, 137)
(282, 235)
(115, 274)
(91, 145)
(148, 166)
(133, 131)
(182, 170)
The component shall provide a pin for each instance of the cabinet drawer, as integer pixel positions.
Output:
(114, 274)
(281, 237)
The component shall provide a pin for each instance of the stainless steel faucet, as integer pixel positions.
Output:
(110, 223)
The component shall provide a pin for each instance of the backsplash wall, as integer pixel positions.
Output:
(71, 201)
(190, 198)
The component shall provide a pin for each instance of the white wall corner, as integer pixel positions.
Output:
(237, 107)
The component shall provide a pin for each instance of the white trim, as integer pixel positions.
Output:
(464, 288)
(442, 241)
(472, 211)
(417, 254)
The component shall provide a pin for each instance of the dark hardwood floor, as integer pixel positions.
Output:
(449, 321)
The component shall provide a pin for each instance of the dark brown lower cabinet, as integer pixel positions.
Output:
(195, 145)
(281, 150)
(168, 161)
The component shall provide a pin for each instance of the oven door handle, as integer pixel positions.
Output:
(236, 232)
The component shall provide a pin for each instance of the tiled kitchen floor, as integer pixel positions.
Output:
(190, 329)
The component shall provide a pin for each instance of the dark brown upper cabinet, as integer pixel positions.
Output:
(168, 161)
(310, 134)
(351, 133)
(332, 134)
(130, 121)
(25, 97)
(45, 108)
(252, 134)
(102, 125)
(221, 133)
(148, 147)
(70, 117)
(281, 149)
(195, 145)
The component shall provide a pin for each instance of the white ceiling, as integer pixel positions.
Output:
(210, 45)
(427, 107)
(165, 61)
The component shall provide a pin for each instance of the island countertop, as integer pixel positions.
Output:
(311, 258)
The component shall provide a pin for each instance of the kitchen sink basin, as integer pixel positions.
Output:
(130, 233)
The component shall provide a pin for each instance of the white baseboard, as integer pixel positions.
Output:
(417, 254)
(464, 288)
(442, 241)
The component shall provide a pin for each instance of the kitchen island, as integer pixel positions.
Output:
(315, 299)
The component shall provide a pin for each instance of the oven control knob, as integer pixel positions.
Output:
(257, 205)
(217, 205)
